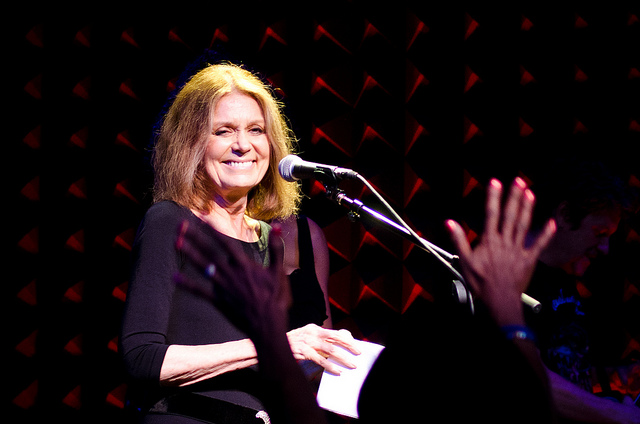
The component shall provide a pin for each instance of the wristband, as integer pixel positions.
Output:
(518, 332)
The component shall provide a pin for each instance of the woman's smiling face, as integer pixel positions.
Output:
(237, 155)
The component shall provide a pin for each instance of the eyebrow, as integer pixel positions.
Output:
(232, 124)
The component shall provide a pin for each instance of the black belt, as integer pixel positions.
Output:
(208, 409)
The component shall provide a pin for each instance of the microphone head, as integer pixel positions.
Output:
(285, 167)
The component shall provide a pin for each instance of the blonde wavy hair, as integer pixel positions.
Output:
(182, 141)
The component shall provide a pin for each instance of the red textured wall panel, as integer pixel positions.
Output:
(426, 103)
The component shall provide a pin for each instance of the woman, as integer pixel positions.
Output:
(215, 161)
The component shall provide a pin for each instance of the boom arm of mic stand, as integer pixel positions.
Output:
(362, 211)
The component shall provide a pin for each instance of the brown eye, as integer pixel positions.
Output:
(256, 130)
(221, 132)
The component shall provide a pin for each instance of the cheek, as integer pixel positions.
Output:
(263, 148)
(263, 151)
(588, 242)
(211, 174)
(575, 243)
(211, 149)
(210, 159)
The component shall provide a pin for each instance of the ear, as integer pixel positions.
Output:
(561, 215)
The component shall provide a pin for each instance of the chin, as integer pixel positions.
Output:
(580, 266)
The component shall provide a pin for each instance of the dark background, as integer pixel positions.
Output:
(426, 102)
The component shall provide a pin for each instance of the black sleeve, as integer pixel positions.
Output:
(143, 339)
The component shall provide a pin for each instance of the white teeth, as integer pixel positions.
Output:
(240, 164)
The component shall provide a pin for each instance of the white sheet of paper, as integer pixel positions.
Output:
(339, 393)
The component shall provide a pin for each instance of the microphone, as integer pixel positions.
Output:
(292, 168)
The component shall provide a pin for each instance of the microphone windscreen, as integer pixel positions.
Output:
(285, 167)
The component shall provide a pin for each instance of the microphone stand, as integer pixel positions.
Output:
(358, 210)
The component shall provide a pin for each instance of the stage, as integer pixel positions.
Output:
(427, 103)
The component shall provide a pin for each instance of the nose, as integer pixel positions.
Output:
(603, 246)
(241, 144)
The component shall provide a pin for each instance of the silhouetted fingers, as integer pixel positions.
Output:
(192, 245)
(212, 257)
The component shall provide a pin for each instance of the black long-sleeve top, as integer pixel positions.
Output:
(159, 313)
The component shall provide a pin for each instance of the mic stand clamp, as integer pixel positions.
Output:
(337, 195)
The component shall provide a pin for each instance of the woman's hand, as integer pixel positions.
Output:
(323, 346)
